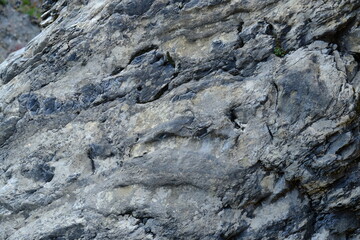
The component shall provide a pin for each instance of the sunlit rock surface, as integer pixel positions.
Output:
(169, 119)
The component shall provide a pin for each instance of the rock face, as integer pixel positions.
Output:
(174, 119)
(16, 30)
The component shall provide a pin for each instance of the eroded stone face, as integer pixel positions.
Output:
(177, 120)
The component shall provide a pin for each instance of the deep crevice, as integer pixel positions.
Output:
(169, 60)
(116, 71)
(161, 92)
(270, 133)
(92, 162)
(142, 51)
(202, 132)
(232, 116)
(157, 96)
(277, 94)
(335, 36)
(356, 57)
(234, 235)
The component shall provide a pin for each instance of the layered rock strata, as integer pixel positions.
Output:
(193, 119)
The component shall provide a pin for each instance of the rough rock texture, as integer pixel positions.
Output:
(174, 119)
(16, 30)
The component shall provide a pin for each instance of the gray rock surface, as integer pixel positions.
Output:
(171, 119)
(16, 30)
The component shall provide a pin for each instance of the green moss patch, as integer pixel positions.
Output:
(30, 8)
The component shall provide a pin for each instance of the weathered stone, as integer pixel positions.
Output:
(183, 120)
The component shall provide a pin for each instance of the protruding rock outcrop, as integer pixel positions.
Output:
(193, 119)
